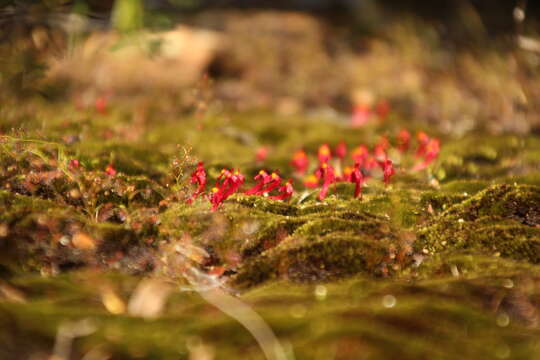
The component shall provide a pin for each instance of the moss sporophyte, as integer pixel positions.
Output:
(198, 177)
(300, 162)
(329, 170)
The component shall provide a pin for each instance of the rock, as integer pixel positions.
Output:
(110, 62)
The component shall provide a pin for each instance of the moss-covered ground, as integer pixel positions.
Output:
(442, 263)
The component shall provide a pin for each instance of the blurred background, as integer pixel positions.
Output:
(106, 107)
(456, 65)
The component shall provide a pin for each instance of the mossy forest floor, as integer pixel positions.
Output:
(440, 264)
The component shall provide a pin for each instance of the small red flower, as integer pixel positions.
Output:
(357, 178)
(326, 173)
(101, 104)
(261, 154)
(324, 154)
(233, 183)
(300, 162)
(198, 177)
(431, 152)
(360, 154)
(110, 170)
(388, 170)
(380, 148)
(382, 109)
(230, 183)
(360, 115)
(285, 191)
(403, 140)
(262, 179)
(370, 163)
(423, 140)
(74, 164)
(274, 183)
(311, 182)
(341, 150)
(216, 198)
(347, 173)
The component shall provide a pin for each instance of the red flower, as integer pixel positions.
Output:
(403, 140)
(198, 177)
(101, 104)
(285, 191)
(341, 150)
(234, 182)
(324, 154)
(347, 173)
(388, 170)
(261, 154)
(431, 152)
(262, 179)
(300, 162)
(380, 148)
(230, 183)
(216, 198)
(275, 182)
(311, 182)
(74, 164)
(423, 140)
(370, 163)
(360, 154)
(357, 178)
(382, 109)
(110, 170)
(360, 115)
(326, 173)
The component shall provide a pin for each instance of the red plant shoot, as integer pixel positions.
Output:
(360, 115)
(326, 173)
(74, 164)
(198, 177)
(311, 182)
(403, 140)
(230, 183)
(431, 152)
(262, 179)
(261, 154)
(388, 170)
(101, 105)
(341, 150)
(274, 183)
(423, 140)
(110, 170)
(300, 162)
(284, 192)
(360, 154)
(380, 149)
(324, 154)
(382, 109)
(357, 178)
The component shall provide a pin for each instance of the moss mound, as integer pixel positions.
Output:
(501, 220)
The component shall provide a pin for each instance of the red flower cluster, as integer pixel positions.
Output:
(366, 161)
(328, 172)
(227, 184)
(230, 181)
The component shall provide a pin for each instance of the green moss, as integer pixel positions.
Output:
(316, 258)
(500, 220)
